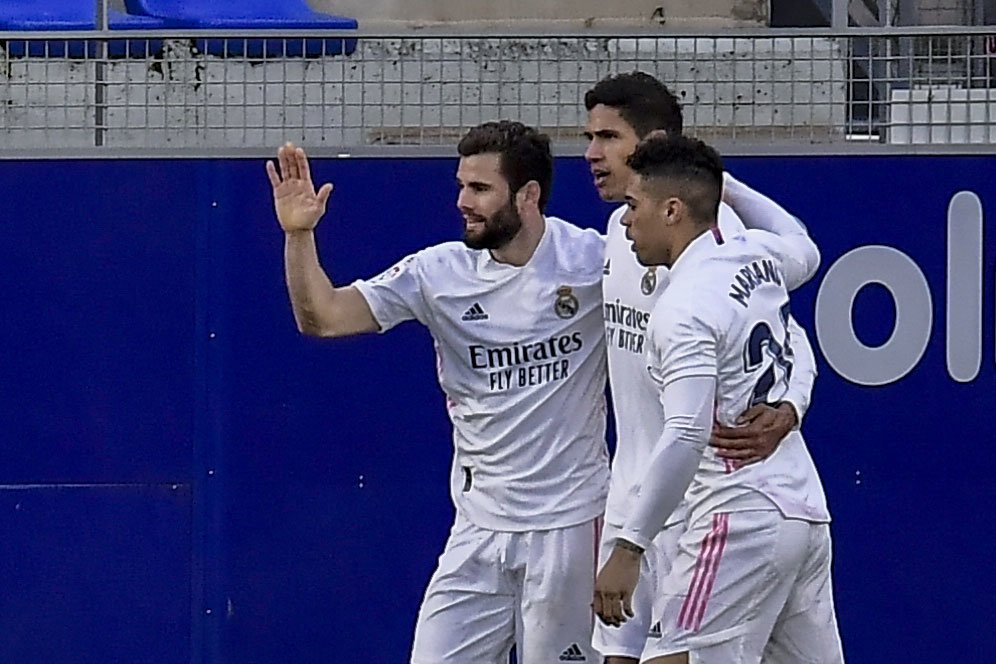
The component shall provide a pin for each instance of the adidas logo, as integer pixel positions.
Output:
(605, 270)
(476, 312)
(573, 654)
(655, 630)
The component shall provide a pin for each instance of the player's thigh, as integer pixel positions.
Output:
(557, 589)
(806, 631)
(468, 612)
(730, 578)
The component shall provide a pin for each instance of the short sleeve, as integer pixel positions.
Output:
(396, 294)
(683, 343)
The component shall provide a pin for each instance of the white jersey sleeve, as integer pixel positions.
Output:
(682, 361)
(797, 254)
(800, 387)
(688, 403)
(760, 213)
(684, 342)
(397, 294)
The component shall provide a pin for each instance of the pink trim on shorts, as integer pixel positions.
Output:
(706, 569)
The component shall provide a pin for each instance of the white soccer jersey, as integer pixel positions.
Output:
(724, 315)
(521, 360)
(630, 291)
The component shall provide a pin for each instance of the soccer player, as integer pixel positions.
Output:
(751, 575)
(515, 311)
(622, 109)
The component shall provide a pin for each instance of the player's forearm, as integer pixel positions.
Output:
(800, 260)
(760, 212)
(312, 293)
(804, 371)
(688, 403)
(757, 210)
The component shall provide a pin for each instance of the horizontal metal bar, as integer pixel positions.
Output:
(727, 148)
(506, 33)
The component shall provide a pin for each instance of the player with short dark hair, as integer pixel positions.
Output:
(515, 313)
(750, 578)
(623, 109)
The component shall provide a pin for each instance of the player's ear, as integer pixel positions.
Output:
(674, 209)
(528, 195)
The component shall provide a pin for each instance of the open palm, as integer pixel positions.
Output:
(298, 205)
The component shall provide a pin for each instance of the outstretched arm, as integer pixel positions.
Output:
(320, 308)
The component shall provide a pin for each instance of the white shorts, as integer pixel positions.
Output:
(494, 589)
(747, 586)
(630, 638)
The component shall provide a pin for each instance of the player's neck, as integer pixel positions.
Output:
(522, 247)
(691, 233)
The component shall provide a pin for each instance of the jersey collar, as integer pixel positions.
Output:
(699, 246)
(487, 265)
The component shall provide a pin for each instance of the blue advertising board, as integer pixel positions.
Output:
(185, 478)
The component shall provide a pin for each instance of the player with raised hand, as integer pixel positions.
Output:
(515, 311)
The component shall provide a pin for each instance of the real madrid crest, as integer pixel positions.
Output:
(649, 281)
(566, 305)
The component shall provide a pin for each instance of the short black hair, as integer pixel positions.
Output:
(692, 169)
(524, 153)
(642, 101)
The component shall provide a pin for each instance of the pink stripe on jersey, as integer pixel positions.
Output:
(700, 565)
(724, 521)
(706, 568)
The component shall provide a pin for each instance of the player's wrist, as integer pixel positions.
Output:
(791, 410)
(630, 549)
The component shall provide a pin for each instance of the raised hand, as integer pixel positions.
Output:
(298, 205)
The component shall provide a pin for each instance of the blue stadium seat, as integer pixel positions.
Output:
(251, 15)
(134, 48)
(71, 15)
(48, 15)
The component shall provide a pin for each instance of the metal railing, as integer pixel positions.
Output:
(152, 92)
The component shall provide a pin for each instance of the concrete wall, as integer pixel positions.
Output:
(944, 12)
(719, 13)
(422, 91)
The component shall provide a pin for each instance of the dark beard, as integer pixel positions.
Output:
(499, 229)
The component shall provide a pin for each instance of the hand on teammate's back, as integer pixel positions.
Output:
(298, 205)
(760, 431)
